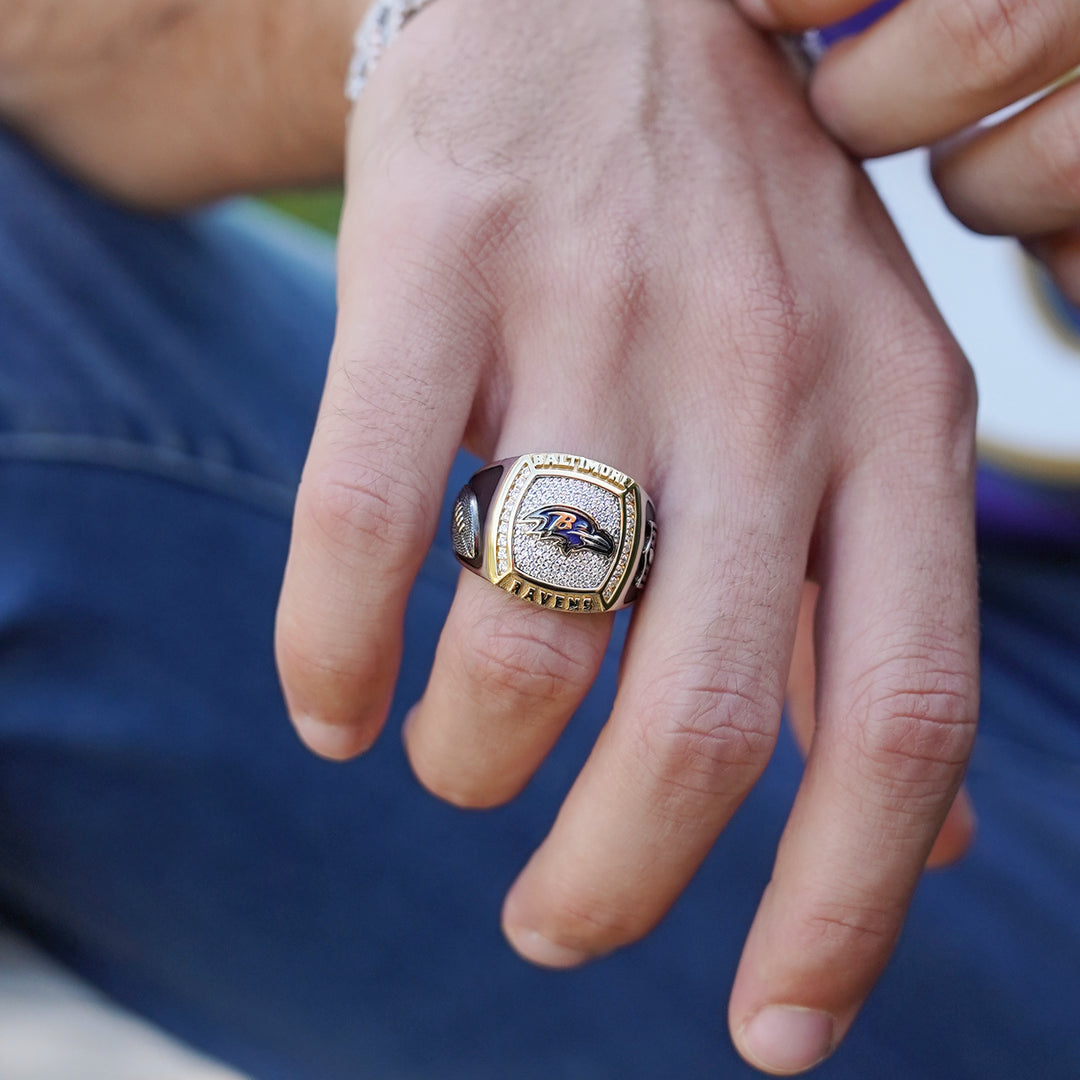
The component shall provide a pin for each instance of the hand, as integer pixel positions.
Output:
(613, 229)
(929, 70)
(162, 104)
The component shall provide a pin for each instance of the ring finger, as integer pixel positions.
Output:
(508, 675)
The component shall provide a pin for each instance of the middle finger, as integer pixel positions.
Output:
(693, 724)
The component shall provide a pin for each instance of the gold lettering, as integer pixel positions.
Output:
(559, 601)
(544, 598)
(530, 595)
(572, 604)
(586, 603)
(564, 522)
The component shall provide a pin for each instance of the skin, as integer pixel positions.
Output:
(611, 229)
(958, 832)
(931, 72)
(165, 103)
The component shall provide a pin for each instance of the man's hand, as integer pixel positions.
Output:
(929, 70)
(613, 229)
(162, 103)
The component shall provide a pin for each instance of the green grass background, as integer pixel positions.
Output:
(319, 208)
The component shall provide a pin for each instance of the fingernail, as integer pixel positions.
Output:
(517, 924)
(538, 949)
(759, 11)
(332, 741)
(787, 1039)
(407, 723)
(964, 810)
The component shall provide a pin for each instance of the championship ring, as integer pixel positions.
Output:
(558, 530)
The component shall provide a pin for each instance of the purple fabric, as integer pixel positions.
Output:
(857, 23)
(1012, 508)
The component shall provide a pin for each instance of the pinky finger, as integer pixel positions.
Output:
(958, 830)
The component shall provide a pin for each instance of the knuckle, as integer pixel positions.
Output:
(361, 512)
(923, 400)
(998, 42)
(515, 658)
(918, 726)
(774, 328)
(704, 730)
(939, 397)
(861, 933)
(922, 355)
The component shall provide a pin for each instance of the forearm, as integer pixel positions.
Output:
(167, 102)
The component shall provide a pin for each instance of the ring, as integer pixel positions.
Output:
(558, 530)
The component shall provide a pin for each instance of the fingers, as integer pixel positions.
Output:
(932, 67)
(1060, 254)
(897, 701)
(693, 724)
(398, 393)
(800, 14)
(1020, 177)
(958, 832)
(507, 677)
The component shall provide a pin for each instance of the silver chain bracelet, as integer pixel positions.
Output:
(383, 22)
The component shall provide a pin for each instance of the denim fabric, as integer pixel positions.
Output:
(162, 831)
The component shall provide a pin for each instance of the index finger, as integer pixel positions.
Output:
(400, 387)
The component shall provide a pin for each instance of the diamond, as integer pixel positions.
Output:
(583, 570)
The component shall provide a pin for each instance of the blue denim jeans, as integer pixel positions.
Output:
(163, 832)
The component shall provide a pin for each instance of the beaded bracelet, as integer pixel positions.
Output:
(383, 22)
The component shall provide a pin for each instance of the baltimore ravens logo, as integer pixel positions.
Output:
(573, 530)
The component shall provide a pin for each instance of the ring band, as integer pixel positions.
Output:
(557, 530)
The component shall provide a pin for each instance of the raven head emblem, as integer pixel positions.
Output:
(573, 530)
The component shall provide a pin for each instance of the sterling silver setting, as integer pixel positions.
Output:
(557, 530)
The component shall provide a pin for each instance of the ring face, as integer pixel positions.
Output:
(559, 530)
